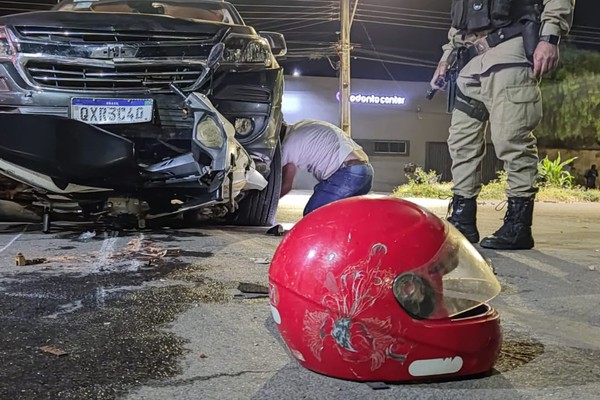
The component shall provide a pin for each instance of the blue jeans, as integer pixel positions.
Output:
(356, 180)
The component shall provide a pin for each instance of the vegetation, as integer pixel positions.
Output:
(552, 174)
(571, 99)
(556, 185)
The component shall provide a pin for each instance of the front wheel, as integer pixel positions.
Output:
(258, 208)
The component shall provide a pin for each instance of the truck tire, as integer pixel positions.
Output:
(258, 208)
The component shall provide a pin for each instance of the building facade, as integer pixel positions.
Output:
(393, 121)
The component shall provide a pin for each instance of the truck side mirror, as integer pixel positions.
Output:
(276, 41)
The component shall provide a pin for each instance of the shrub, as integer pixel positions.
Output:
(557, 187)
(424, 185)
(495, 189)
(551, 173)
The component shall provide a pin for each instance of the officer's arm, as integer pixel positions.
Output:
(454, 41)
(557, 17)
(288, 174)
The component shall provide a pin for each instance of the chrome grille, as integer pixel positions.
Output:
(130, 76)
(103, 36)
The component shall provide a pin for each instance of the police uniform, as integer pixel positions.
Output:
(496, 86)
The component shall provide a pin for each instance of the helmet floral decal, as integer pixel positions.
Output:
(357, 338)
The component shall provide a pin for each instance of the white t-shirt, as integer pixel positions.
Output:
(317, 147)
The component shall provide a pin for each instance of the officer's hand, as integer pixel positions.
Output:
(440, 71)
(545, 58)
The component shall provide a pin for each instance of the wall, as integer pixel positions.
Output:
(418, 120)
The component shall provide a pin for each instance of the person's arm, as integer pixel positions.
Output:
(557, 19)
(454, 40)
(288, 174)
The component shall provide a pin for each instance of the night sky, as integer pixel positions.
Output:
(393, 39)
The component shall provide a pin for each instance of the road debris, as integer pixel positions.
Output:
(21, 261)
(157, 252)
(263, 261)
(250, 291)
(145, 251)
(85, 236)
(54, 350)
(247, 287)
(202, 355)
(378, 385)
(277, 230)
(592, 268)
(250, 296)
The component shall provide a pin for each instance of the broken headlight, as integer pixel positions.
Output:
(209, 134)
(241, 49)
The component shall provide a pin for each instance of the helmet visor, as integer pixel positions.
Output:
(457, 279)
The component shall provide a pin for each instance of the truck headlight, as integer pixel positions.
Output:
(209, 134)
(247, 49)
(7, 49)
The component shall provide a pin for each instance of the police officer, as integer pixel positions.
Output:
(503, 48)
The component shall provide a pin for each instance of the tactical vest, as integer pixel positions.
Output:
(472, 16)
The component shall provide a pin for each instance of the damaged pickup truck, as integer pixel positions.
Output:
(136, 110)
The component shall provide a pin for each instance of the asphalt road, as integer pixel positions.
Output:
(160, 315)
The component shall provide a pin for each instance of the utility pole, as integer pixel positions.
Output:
(344, 52)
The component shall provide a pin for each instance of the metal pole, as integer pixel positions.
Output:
(344, 48)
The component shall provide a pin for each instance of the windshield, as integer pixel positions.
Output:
(200, 10)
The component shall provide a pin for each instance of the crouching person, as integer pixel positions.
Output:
(340, 165)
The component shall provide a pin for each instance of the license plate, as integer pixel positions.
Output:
(112, 111)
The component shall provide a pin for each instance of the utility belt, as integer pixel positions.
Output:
(485, 43)
(529, 29)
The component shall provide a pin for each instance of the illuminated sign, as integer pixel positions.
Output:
(375, 99)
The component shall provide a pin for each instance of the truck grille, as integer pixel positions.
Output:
(175, 118)
(110, 77)
(102, 36)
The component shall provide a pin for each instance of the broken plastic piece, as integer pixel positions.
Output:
(250, 296)
(377, 385)
(277, 230)
(247, 287)
(85, 236)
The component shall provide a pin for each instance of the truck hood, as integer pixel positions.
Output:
(118, 22)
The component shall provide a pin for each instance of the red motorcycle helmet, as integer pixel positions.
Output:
(380, 289)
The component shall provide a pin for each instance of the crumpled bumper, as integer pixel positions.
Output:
(66, 150)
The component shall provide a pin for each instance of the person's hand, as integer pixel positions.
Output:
(439, 72)
(545, 58)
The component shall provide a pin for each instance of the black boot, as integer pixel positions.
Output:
(515, 234)
(464, 217)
